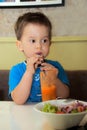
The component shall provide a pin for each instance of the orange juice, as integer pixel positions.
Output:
(48, 88)
(48, 92)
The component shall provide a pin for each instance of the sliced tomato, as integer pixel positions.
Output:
(80, 108)
(60, 112)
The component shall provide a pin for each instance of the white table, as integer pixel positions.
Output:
(20, 117)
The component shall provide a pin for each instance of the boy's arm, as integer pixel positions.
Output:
(51, 75)
(62, 89)
(21, 93)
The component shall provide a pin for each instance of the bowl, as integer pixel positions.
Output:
(63, 120)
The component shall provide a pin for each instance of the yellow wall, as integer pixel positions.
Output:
(71, 52)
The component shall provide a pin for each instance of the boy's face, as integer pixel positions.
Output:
(34, 40)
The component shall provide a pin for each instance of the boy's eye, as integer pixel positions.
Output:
(44, 40)
(32, 41)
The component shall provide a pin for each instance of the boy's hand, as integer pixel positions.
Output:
(50, 71)
(33, 62)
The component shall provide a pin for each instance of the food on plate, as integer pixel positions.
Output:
(74, 107)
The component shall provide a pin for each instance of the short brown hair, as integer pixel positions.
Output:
(31, 17)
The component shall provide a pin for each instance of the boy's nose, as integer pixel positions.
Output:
(38, 45)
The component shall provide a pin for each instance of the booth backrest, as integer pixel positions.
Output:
(77, 78)
(4, 75)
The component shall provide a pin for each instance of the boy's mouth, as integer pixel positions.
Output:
(39, 53)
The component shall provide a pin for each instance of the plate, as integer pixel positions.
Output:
(60, 121)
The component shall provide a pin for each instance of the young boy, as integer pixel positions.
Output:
(33, 31)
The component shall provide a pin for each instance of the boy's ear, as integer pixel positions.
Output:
(19, 45)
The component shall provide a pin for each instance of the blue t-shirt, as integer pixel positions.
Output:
(17, 72)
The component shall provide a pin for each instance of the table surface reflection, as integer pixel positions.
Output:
(23, 117)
